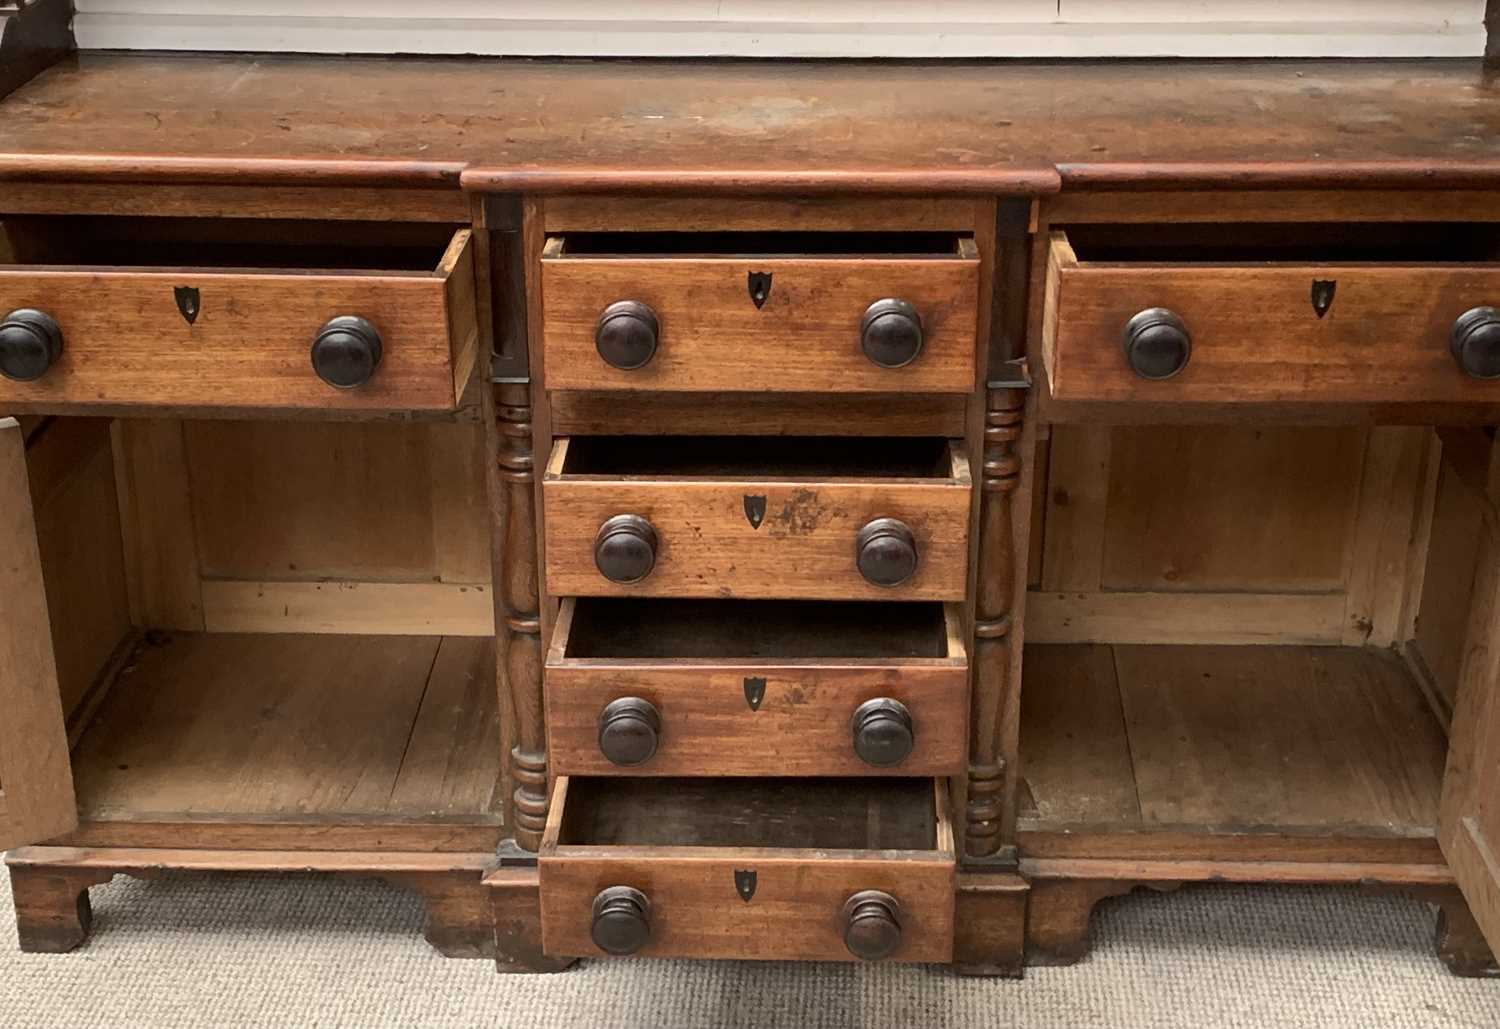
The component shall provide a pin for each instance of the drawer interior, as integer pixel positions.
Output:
(159, 242)
(783, 457)
(819, 814)
(740, 244)
(611, 628)
(1253, 243)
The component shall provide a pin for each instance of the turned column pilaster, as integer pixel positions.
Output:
(519, 597)
(994, 600)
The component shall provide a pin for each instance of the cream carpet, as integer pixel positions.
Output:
(306, 951)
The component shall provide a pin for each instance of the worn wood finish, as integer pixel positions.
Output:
(203, 200)
(1064, 894)
(989, 925)
(1470, 826)
(804, 548)
(575, 213)
(1256, 335)
(1312, 740)
(53, 913)
(582, 413)
(806, 336)
(516, 908)
(994, 674)
(793, 914)
(51, 886)
(125, 341)
(518, 609)
(36, 782)
(1428, 124)
(798, 725)
(405, 730)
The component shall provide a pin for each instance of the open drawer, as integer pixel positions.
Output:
(745, 688)
(177, 315)
(1273, 314)
(852, 312)
(776, 869)
(764, 517)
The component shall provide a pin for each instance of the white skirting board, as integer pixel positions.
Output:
(796, 28)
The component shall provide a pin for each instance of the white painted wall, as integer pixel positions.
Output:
(797, 28)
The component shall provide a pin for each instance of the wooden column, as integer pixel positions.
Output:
(518, 596)
(995, 599)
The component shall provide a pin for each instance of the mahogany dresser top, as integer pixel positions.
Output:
(737, 126)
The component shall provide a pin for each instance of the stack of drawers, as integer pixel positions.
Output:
(756, 688)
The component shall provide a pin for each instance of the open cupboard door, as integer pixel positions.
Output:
(36, 780)
(1469, 823)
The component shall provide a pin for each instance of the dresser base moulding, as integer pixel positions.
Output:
(51, 887)
(1065, 891)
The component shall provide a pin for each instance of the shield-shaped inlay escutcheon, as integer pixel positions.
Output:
(188, 302)
(755, 692)
(744, 883)
(1322, 295)
(760, 288)
(755, 510)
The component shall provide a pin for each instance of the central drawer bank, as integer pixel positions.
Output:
(632, 527)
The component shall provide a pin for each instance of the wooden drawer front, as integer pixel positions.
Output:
(1256, 332)
(245, 338)
(733, 714)
(759, 900)
(756, 535)
(805, 336)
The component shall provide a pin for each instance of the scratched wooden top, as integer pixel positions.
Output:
(738, 126)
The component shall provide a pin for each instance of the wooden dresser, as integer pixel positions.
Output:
(611, 499)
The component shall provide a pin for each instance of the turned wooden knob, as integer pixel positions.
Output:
(346, 352)
(1476, 342)
(626, 334)
(629, 729)
(886, 552)
(872, 925)
(625, 549)
(1157, 344)
(883, 733)
(622, 920)
(890, 333)
(30, 342)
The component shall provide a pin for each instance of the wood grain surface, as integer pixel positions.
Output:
(125, 341)
(805, 337)
(756, 126)
(805, 548)
(1256, 334)
(800, 726)
(794, 913)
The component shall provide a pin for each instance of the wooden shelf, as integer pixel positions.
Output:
(287, 728)
(1227, 739)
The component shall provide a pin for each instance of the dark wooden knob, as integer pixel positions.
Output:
(346, 352)
(1157, 344)
(30, 342)
(890, 333)
(883, 733)
(625, 549)
(1476, 342)
(886, 552)
(622, 920)
(629, 729)
(626, 334)
(872, 925)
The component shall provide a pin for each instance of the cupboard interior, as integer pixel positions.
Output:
(271, 622)
(1245, 630)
